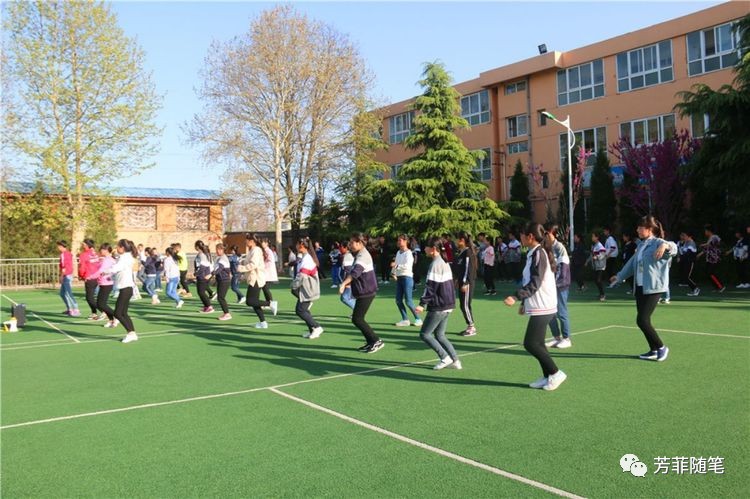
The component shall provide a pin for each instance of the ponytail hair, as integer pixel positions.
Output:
(265, 255)
(172, 253)
(471, 249)
(128, 246)
(106, 246)
(201, 246)
(308, 245)
(89, 243)
(438, 244)
(358, 237)
(252, 237)
(649, 222)
(540, 235)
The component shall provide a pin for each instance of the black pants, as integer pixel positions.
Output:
(533, 342)
(742, 274)
(686, 274)
(303, 312)
(101, 301)
(464, 299)
(361, 307)
(203, 292)
(515, 271)
(611, 268)
(183, 281)
(385, 269)
(267, 295)
(578, 272)
(121, 308)
(646, 304)
(599, 280)
(222, 288)
(489, 277)
(253, 300)
(91, 285)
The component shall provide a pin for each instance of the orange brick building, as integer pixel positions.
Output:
(622, 87)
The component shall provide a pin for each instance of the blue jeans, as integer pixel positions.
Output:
(433, 333)
(404, 289)
(347, 298)
(149, 286)
(66, 293)
(562, 315)
(158, 279)
(172, 289)
(336, 274)
(236, 286)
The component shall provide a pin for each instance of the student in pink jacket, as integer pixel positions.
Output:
(66, 279)
(103, 276)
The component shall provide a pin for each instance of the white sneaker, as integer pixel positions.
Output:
(695, 293)
(274, 307)
(333, 286)
(261, 325)
(564, 343)
(240, 301)
(155, 300)
(539, 383)
(316, 332)
(418, 322)
(456, 365)
(403, 323)
(179, 304)
(553, 342)
(110, 324)
(443, 363)
(130, 337)
(554, 381)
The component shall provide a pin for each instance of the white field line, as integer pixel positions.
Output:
(45, 321)
(252, 390)
(436, 450)
(692, 332)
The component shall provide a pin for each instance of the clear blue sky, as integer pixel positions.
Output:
(395, 38)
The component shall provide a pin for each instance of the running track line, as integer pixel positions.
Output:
(45, 321)
(436, 450)
(252, 390)
(692, 332)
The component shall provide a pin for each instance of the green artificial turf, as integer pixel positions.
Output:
(258, 443)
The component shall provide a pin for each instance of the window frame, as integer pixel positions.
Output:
(574, 73)
(484, 165)
(399, 136)
(516, 148)
(515, 129)
(723, 57)
(630, 77)
(480, 117)
(645, 125)
(580, 136)
(512, 88)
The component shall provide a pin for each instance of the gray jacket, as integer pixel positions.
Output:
(306, 287)
(655, 272)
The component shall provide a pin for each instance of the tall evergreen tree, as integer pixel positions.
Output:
(519, 192)
(437, 190)
(603, 201)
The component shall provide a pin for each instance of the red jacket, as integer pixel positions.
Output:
(88, 264)
(66, 263)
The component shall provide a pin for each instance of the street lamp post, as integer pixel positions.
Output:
(571, 145)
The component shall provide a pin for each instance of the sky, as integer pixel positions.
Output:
(394, 38)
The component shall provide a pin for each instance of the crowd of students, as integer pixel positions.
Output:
(536, 260)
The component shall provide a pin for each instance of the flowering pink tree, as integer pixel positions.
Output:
(579, 168)
(658, 175)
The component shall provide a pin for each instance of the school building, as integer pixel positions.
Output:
(622, 87)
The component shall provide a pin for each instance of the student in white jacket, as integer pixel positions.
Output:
(123, 272)
(539, 295)
(256, 278)
(403, 270)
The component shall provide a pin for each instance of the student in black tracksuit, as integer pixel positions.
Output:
(465, 274)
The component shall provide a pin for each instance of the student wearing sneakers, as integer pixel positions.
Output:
(650, 269)
(513, 258)
(66, 279)
(347, 260)
(103, 276)
(539, 301)
(628, 250)
(488, 259)
(740, 254)
(306, 288)
(172, 274)
(712, 250)
(561, 331)
(687, 254)
(256, 278)
(579, 259)
(203, 267)
(610, 244)
(234, 262)
(88, 263)
(123, 271)
(272, 275)
(182, 264)
(440, 299)
(598, 260)
(223, 275)
(403, 269)
(364, 288)
(465, 274)
(150, 269)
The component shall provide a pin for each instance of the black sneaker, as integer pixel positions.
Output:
(493, 293)
(364, 347)
(375, 347)
(652, 355)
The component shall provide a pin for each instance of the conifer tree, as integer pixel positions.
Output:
(519, 192)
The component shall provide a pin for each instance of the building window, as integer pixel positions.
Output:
(475, 108)
(518, 125)
(712, 49)
(192, 218)
(512, 88)
(400, 127)
(580, 83)
(644, 67)
(518, 147)
(484, 166)
(395, 169)
(699, 124)
(138, 216)
(648, 130)
(593, 139)
(545, 180)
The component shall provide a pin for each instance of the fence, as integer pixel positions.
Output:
(35, 272)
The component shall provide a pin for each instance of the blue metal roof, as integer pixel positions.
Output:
(130, 192)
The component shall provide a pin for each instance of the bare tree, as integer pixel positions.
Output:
(278, 108)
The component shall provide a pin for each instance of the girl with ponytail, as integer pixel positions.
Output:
(306, 287)
(203, 268)
(123, 271)
(539, 301)
(466, 275)
(256, 279)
